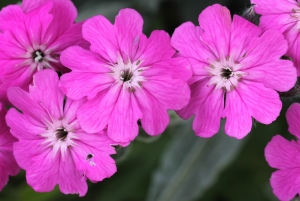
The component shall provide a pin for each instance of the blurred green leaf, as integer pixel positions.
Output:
(191, 164)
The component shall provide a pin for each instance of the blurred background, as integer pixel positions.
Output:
(175, 166)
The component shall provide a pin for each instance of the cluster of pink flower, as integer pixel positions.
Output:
(64, 130)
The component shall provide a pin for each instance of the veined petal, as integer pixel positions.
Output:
(94, 162)
(170, 95)
(25, 150)
(293, 117)
(238, 117)
(285, 183)
(25, 104)
(155, 117)
(187, 40)
(154, 49)
(270, 105)
(72, 84)
(45, 91)
(280, 75)
(64, 15)
(273, 6)
(129, 25)
(81, 60)
(270, 46)
(178, 68)
(282, 154)
(241, 31)
(10, 17)
(102, 36)
(204, 100)
(37, 22)
(71, 37)
(94, 115)
(215, 20)
(24, 126)
(46, 171)
(122, 124)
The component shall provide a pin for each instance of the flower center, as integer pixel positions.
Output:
(225, 74)
(38, 56)
(128, 74)
(61, 134)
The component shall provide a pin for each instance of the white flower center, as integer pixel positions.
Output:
(225, 74)
(59, 135)
(128, 74)
(39, 57)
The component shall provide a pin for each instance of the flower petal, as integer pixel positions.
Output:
(11, 17)
(94, 115)
(46, 171)
(274, 6)
(103, 38)
(282, 154)
(25, 103)
(95, 161)
(169, 92)
(286, 183)
(122, 124)
(46, 93)
(187, 40)
(262, 103)
(293, 118)
(270, 46)
(80, 60)
(154, 49)
(215, 20)
(129, 25)
(24, 126)
(64, 15)
(204, 100)
(25, 150)
(241, 31)
(155, 117)
(238, 119)
(77, 85)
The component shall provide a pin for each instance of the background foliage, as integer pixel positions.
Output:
(176, 165)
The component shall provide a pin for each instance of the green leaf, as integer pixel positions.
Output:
(191, 164)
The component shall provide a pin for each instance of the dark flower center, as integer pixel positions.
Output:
(38, 56)
(226, 72)
(126, 75)
(61, 134)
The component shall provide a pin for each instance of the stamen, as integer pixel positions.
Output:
(38, 56)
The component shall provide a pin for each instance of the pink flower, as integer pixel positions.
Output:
(32, 36)
(52, 147)
(125, 77)
(283, 16)
(284, 155)
(236, 70)
(8, 165)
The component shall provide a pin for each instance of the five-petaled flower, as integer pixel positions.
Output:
(236, 72)
(32, 36)
(52, 147)
(125, 76)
